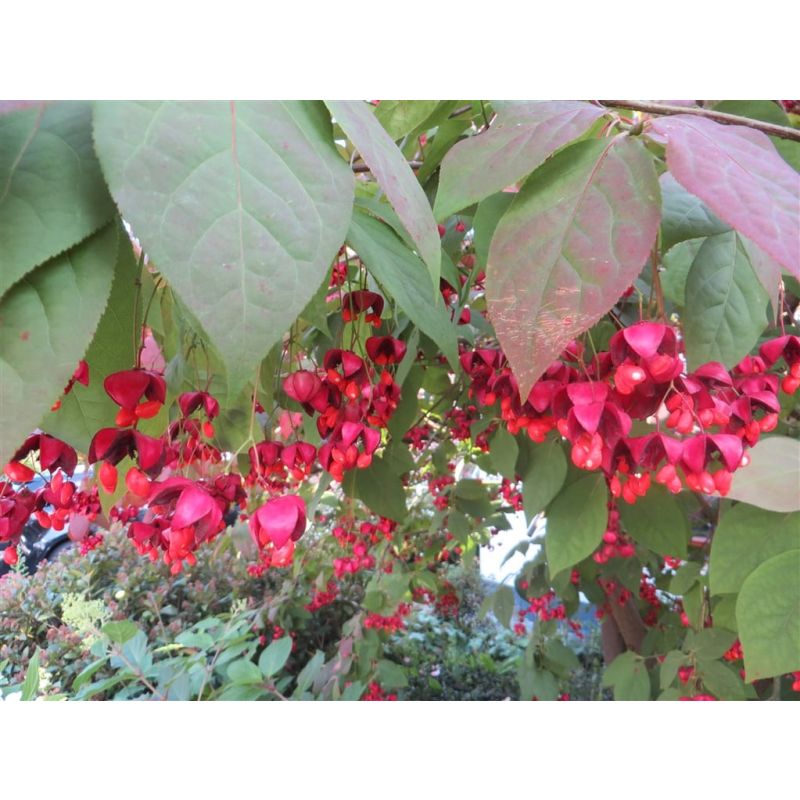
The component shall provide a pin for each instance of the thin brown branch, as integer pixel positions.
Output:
(365, 167)
(662, 109)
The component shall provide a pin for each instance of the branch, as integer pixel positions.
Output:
(365, 167)
(781, 131)
(629, 623)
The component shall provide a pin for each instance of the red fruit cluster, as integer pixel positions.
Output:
(58, 502)
(704, 420)
(375, 692)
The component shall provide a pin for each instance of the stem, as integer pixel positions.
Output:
(659, 292)
(366, 167)
(662, 109)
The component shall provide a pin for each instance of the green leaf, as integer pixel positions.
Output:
(721, 681)
(53, 194)
(46, 323)
(678, 261)
(746, 537)
(726, 306)
(30, 686)
(504, 450)
(86, 673)
(400, 117)
(406, 279)
(627, 674)
(195, 640)
(447, 134)
(693, 605)
(545, 472)
(120, 632)
(658, 522)
(710, 644)
(395, 177)
(379, 488)
(244, 671)
(503, 605)
(86, 409)
(490, 212)
(685, 578)
(511, 149)
(723, 611)
(391, 675)
(574, 239)
(768, 613)
(684, 215)
(273, 659)
(535, 682)
(309, 673)
(470, 489)
(408, 407)
(243, 220)
(561, 655)
(576, 521)
(669, 667)
(770, 479)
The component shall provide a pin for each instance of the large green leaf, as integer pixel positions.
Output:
(574, 239)
(677, 262)
(768, 613)
(576, 521)
(726, 306)
(405, 277)
(503, 450)
(242, 206)
(545, 472)
(400, 117)
(657, 521)
(395, 177)
(379, 488)
(770, 480)
(746, 537)
(47, 321)
(52, 193)
(627, 674)
(86, 409)
(512, 148)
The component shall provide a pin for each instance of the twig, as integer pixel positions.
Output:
(662, 109)
(366, 168)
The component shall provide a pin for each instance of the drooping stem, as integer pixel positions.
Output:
(663, 109)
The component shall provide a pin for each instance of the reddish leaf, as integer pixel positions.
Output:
(572, 241)
(740, 175)
(522, 138)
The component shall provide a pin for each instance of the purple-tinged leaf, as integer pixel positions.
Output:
(395, 177)
(573, 240)
(741, 177)
(519, 141)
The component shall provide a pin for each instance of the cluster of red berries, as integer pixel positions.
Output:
(55, 504)
(375, 692)
(390, 623)
(704, 420)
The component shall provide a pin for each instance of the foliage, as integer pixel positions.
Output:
(370, 332)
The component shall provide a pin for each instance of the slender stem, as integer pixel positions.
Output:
(659, 292)
(662, 109)
(366, 167)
